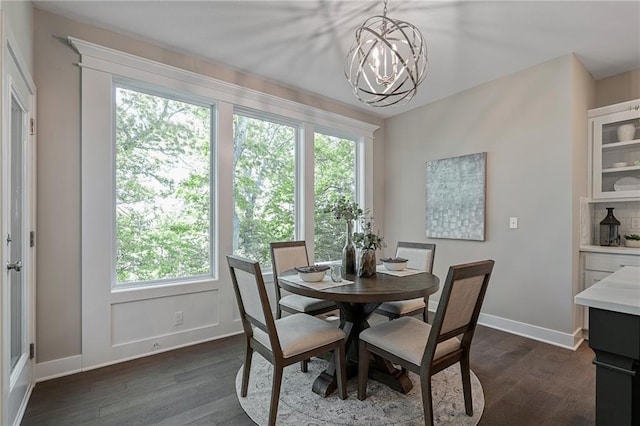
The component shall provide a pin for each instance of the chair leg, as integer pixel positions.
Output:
(340, 355)
(363, 371)
(427, 405)
(425, 313)
(246, 370)
(466, 384)
(304, 365)
(275, 393)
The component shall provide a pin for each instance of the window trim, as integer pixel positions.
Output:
(142, 87)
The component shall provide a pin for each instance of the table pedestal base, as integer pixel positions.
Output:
(353, 320)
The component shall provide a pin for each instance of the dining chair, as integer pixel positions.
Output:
(419, 256)
(287, 255)
(283, 341)
(427, 349)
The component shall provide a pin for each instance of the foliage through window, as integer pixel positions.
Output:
(263, 186)
(163, 181)
(335, 176)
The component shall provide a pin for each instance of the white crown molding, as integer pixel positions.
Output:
(102, 59)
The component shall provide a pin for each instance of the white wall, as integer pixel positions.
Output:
(527, 124)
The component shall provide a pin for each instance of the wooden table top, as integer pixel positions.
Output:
(379, 288)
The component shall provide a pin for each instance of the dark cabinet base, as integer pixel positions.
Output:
(615, 339)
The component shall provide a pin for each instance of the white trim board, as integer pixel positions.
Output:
(57, 368)
(534, 332)
(66, 366)
(103, 58)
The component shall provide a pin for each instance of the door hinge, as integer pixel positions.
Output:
(32, 126)
(32, 238)
(32, 350)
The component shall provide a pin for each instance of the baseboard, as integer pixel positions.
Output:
(58, 368)
(23, 406)
(534, 332)
(65, 366)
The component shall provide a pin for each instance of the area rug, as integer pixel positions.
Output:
(299, 406)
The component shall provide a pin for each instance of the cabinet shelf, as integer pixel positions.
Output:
(617, 145)
(621, 169)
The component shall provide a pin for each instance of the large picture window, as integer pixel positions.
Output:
(163, 181)
(334, 176)
(263, 185)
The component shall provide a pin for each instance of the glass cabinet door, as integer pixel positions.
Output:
(616, 155)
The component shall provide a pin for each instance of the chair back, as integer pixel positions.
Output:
(287, 255)
(251, 294)
(460, 303)
(419, 255)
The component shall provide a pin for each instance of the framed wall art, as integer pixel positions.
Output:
(455, 197)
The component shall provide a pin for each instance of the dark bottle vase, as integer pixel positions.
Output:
(366, 265)
(610, 230)
(349, 253)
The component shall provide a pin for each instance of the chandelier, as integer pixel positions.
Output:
(387, 61)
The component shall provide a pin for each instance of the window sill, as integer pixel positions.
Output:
(152, 291)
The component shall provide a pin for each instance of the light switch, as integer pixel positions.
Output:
(635, 223)
(513, 223)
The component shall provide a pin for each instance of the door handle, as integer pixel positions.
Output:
(17, 266)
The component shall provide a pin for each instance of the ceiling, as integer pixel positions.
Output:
(303, 43)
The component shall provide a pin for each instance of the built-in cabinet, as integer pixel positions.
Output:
(596, 266)
(614, 142)
(614, 178)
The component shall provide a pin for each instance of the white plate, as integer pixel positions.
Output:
(627, 184)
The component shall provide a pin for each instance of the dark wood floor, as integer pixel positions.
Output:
(525, 383)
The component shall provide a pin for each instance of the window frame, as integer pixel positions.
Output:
(147, 89)
(297, 148)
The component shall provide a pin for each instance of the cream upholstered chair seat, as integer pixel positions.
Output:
(427, 349)
(406, 338)
(420, 257)
(404, 307)
(297, 303)
(294, 333)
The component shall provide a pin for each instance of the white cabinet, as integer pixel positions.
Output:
(614, 140)
(597, 266)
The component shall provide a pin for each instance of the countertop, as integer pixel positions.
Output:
(611, 250)
(619, 292)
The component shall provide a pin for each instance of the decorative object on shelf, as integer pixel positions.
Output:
(620, 164)
(387, 61)
(344, 209)
(632, 240)
(626, 132)
(367, 242)
(627, 184)
(455, 192)
(609, 230)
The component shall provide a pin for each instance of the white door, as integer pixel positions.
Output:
(17, 202)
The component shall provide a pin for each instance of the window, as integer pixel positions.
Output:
(163, 181)
(263, 186)
(335, 175)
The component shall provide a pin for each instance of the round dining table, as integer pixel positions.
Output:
(357, 301)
